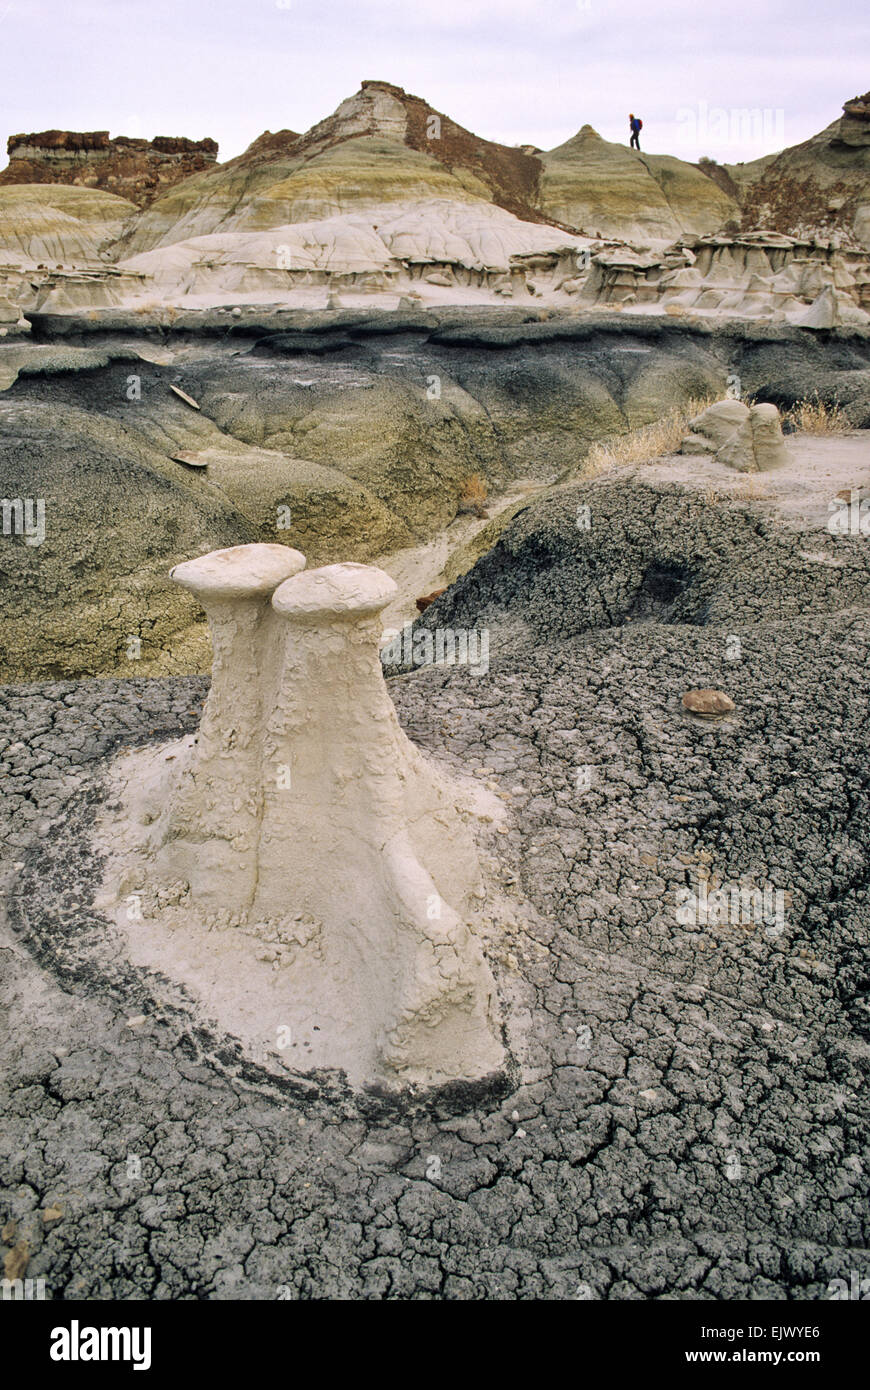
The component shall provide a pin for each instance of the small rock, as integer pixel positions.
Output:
(7, 1235)
(648, 1095)
(425, 599)
(51, 1215)
(708, 704)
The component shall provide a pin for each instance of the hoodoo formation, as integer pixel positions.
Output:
(301, 800)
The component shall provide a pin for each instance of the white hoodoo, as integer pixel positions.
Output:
(303, 801)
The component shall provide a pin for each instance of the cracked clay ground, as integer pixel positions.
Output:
(687, 1113)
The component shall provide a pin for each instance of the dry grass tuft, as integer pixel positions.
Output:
(472, 495)
(650, 442)
(813, 416)
(169, 312)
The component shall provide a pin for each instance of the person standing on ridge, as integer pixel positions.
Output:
(636, 125)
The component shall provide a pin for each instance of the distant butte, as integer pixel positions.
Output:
(139, 170)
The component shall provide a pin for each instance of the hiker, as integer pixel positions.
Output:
(636, 127)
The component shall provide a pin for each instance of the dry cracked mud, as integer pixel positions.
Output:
(685, 1115)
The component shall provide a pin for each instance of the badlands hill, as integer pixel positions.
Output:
(383, 146)
(59, 223)
(613, 191)
(373, 318)
(384, 153)
(685, 1079)
(380, 146)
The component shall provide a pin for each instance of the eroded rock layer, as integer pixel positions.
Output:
(344, 436)
(139, 170)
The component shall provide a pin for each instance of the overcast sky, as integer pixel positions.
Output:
(518, 71)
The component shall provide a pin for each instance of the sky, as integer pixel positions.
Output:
(730, 80)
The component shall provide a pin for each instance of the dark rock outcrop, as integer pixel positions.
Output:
(140, 170)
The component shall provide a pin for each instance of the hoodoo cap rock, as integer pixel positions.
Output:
(242, 571)
(348, 590)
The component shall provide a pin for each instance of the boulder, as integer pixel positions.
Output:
(747, 439)
(767, 441)
(718, 423)
(695, 444)
(738, 452)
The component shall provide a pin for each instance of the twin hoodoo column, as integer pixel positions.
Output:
(302, 794)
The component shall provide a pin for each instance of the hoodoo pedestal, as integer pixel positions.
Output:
(209, 826)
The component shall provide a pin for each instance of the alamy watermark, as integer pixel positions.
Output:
(77, 1343)
(24, 516)
(848, 516)
(732, 904)
(856, 1290)
(22, 1290)
(715, 126)
(445, 646)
